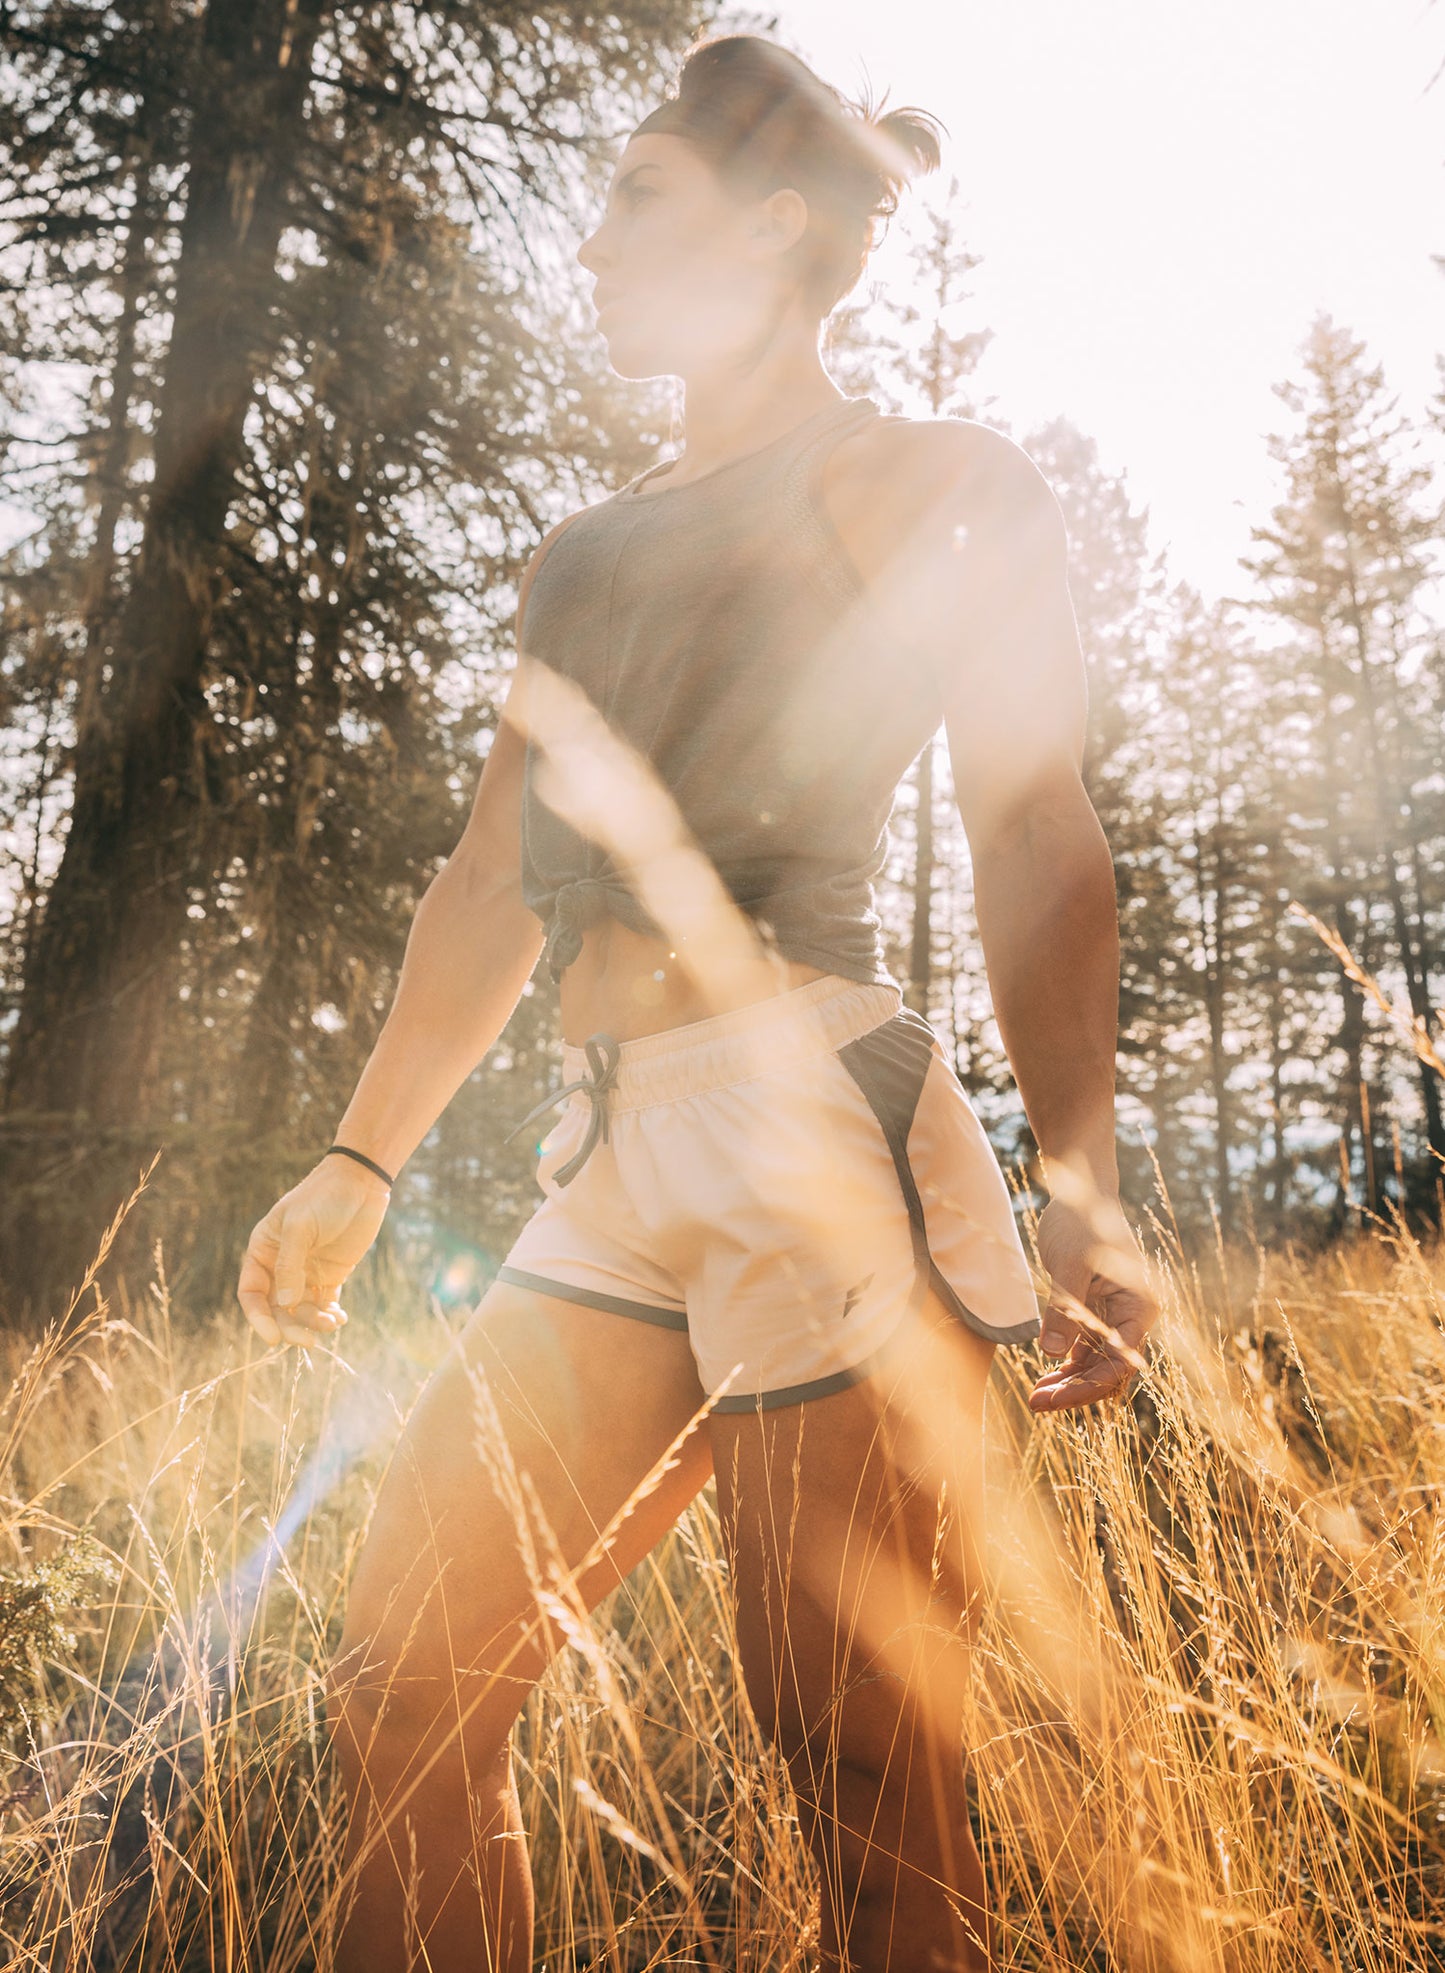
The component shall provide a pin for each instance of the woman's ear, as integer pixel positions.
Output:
(781, 221)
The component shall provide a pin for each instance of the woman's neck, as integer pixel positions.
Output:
(723, 419)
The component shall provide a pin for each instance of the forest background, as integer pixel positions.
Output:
(297, 366)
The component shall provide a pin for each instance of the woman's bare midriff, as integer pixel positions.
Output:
(627, 984)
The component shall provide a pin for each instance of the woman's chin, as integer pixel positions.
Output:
(634, 362)
(691, 347)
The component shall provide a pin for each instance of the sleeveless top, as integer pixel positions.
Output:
(718, 627)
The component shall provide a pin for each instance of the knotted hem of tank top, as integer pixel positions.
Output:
(843, 886)
(802, 921)
(583, 902)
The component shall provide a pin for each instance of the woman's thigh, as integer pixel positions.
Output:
(853, 1524)
(533, 1436)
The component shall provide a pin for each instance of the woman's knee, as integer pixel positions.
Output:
(869, 1791)
(410, 1671)
(393, 1707)
(883, 1722)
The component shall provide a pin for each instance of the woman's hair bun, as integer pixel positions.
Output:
(766, 120)
(908, 147)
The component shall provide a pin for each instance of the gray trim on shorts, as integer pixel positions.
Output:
(890, 1064)
(563, 1291)
(819, 1387)
(670, 1319)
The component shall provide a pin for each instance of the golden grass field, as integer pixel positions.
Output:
(1210, 1688)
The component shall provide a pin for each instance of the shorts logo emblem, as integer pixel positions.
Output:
(853, 1293)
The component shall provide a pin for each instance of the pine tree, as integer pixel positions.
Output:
(1346, 552)
(316, 270)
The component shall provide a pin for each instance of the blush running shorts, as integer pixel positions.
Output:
(782, 1182)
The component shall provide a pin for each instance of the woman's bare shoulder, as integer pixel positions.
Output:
(883, 480)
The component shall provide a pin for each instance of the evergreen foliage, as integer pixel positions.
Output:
(295, 375)
(290, 329)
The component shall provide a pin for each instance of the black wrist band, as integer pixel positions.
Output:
(362, 1159)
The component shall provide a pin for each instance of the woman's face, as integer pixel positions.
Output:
(686, 274)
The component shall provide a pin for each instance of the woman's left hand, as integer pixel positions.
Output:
(1100, 1305)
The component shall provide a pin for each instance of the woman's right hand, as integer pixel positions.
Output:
(302, 1251)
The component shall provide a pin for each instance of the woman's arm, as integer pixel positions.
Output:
(471, 950)
(1016, 707)
(965, 550)
(969, 579)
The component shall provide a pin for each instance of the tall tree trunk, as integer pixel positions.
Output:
(114, 455)
(1211, 891)
(1341, 879)
(86, 1051)
(1212, 904)
(1279, 1162)
(1351, 1039)
(1435, 1127)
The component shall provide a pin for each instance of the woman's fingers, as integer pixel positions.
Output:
(264, 1324)
(303, 1326)
(1098, 1366)
(295, 1240)
(1060, 1328)
(1058, 1390)
(304, 1333)
(316, 1318)
(280, 1293)
(253, 1291)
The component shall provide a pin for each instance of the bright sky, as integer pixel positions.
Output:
(1164, 195)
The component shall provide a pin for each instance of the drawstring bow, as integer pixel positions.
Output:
(603, 1056)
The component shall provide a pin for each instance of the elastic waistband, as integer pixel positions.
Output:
(769, 1034)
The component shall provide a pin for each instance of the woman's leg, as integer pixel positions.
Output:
(853, 1522)
(524, 1445)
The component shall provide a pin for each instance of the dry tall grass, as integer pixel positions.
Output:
(1210, 1701)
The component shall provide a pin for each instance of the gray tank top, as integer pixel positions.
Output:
(714, 624)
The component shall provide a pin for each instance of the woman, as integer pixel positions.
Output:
(771, 1215)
